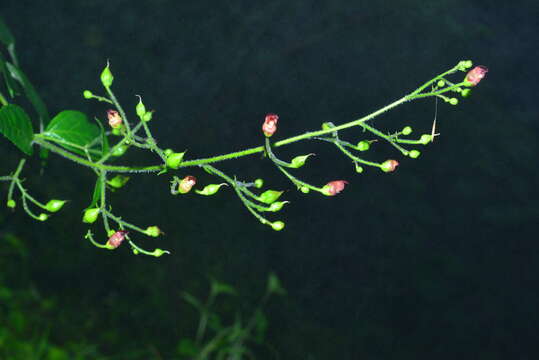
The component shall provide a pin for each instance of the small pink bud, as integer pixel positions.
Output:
(270, 124)
(117, 238)
(332, 188)
(115, 120)
(186, 184)
(475, 75)
(390, 165)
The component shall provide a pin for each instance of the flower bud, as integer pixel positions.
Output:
(276, 206)
(90, 215)
(425, 139)
(115, 120)
(118, 181)
(174, 160)
(11, 204)
(269, 196)
(106, 77)
(453, 101)
(259, 183)
(43, 217)
(407, 130)
(87, 94)
(119, 151)
(270, 124)
(140, 108)
(277, 225)
(363, 145)
(54, 205)
(153, 231)
(475, 75)
(117, 238)
(299, 161)
(304, 189)
(465, 92)
(359, 169)
(159, 252)
(440, 83)
(186, 184)
(414, 154)
(210, 189)
(332, 188)
(147, 116)
(167, 152)
(389, 165)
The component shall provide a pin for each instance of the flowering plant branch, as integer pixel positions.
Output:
(71, 135)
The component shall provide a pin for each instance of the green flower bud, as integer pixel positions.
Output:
(11, 204)
(87, 94)
(148, 116)
(299, 161)
(54, 205)
(135, 251)
(425, 139)
(210, 189)
(117, 131)
(106, 77)
(118, 181)
(259, 183)
(327, 126)
(159, 252)
(153, 231)
(174, 160)
(269, 196)
(414, 154)
(119, 151)
(111, 232)
(453, 101)
(90, 215)
(465, 92)
(304, 189)
(359, 169)
(140, 108)
(276, 206)
(407, 130)
(363, 145)
(167, 152)
(277, 225)
(440, 83)
(43, 217)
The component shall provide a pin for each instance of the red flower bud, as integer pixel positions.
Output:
(117, 238)
(186, 184)
(332, 188)
(270, 124)
(115, 120)
(475, 75)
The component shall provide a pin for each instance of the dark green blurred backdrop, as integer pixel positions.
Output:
(438, 260)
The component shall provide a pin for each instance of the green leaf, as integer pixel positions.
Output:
(73, 129)
(96, 195)
(16, 126)
(31, 93)
(11, 85)
(5, 35)
(221, 288)
(104, 139)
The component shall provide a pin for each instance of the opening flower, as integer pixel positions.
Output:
(186, 184)
(115, 120)
(475, 75)
(117, 238)
(332, 188)
(270, 124)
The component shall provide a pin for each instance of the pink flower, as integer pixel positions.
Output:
(332, 188)
(475, 75)
(117, 238)
(270, 124)
(115, 120)
(186, 184)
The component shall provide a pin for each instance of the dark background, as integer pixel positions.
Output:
(437, 260)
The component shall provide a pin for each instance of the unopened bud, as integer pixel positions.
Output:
(186, 184)
(106, 77)
(389, 165)
(115, 120)
(474, 76)
(269, 196)
(117, 238)
(54, 205)
(270, 124)
(332, 188)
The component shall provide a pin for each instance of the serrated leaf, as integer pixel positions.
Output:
(5, 34)
(15, 124)
(30, 92)
(73, 127)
